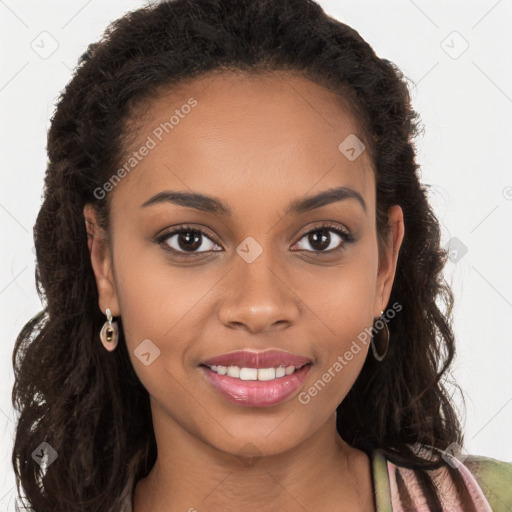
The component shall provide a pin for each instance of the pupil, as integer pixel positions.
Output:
(319, 242)
(188, 241)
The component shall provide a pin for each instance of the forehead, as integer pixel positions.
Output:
(273, 136)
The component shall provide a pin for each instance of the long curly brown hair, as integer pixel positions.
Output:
(88, 404)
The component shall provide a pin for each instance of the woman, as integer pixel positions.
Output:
(242, 277)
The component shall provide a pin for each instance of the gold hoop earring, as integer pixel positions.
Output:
(381, 354)
(109, 333)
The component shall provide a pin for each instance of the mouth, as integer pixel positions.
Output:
(256, 387)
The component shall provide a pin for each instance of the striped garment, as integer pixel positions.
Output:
(488, 481)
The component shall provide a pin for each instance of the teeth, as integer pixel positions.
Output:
(222, 370)
(266, 374)
(234, 371)
(253, 373)
(248, 373)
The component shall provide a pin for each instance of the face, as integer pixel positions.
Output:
(259, 264)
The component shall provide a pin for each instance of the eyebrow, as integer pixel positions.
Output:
(214, 205)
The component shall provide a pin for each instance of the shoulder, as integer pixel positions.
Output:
(487, 481)
(495, 479)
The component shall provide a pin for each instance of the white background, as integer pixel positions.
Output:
(464, 99)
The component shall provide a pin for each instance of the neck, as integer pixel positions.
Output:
(323, 472)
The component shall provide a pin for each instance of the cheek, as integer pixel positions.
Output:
(341, 303)
(155, 295)
(342, 296)
(158, 301)
(157, 304)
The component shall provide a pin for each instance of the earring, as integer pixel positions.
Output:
(109, 333)
(380, 356)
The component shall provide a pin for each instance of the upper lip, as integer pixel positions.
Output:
(251, 359)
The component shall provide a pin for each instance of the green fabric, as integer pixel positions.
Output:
(381, 482)
(495, 480)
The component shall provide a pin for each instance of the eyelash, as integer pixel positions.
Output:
(347, 237)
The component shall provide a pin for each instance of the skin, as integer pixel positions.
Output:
(257, 144)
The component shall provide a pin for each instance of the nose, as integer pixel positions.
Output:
(258, 298)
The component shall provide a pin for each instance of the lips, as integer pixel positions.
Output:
(267, 359)
(257, 393)
(257, 379)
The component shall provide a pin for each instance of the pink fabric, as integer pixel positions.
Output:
(412, 485)
(447, 492)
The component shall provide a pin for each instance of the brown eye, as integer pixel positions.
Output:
(188, 240)
(326, 239)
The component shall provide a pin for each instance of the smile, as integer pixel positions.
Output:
(244, 389)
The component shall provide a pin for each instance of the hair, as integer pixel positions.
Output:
(88, 404)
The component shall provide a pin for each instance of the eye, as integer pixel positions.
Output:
(321, 241)
(186, 241)
(190, 241)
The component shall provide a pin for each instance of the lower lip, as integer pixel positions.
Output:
(257, 393)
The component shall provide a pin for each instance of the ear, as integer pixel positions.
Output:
(101, 262)
(388, 259)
